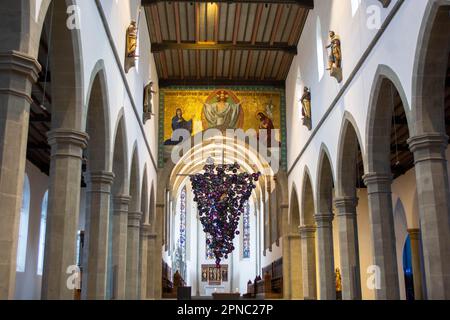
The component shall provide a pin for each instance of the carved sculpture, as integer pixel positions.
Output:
(335, 57)
(131, 46)
(148, 97)
(306, 108)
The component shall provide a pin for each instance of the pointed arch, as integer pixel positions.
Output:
(325, 182)
(347, 162)
(294, 211)
(97, 121)
(429, 74)
(382, 109)
(145, 197)
(307, 202)
(135, 204)
(120, 158)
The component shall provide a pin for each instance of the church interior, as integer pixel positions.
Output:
(252, 150)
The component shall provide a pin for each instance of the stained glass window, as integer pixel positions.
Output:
(246, 232)
(23, 227)
(182, 240)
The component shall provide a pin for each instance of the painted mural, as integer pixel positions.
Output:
(198, 110)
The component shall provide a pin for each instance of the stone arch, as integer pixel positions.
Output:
(97, 121)
(120, 157)
(152, 205)
(347, 180)
(66, 65)
(135, 204)
(325, 182)
(144, 197)
(307, 199)
(349, 142)
(429, 74)
(294, 211)
(379, 118)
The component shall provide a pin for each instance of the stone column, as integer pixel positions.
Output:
(293, 266)
(143, 262)
(18, 72)
(348, 247)
(414, 237)
(327, 280)
(63, 211)
(434, 210)
(308, 239)
(383, 234)
(120, 227)
(153, 276)
(134, 224)
(96, 235)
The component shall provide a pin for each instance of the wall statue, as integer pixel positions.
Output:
(148, 98)
(306, 108)
(335, 57)
(131, 46)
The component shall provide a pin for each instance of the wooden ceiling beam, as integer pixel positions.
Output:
(176, 13)
(276, 24)
(170, 45)
(220, 82)
(309, 4)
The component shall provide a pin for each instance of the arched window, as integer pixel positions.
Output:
(355, 6)
(23, 227)
(320, 48)
(42, 229)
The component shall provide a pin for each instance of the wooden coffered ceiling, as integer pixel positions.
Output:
(225, 42)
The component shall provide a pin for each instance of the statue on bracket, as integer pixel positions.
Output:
(148, 97)
(335, 57)
(306, 108)
(131, 46)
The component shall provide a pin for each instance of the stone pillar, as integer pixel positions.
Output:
(96, 235)
(119, 254)
(153, 277)
(348, 247)
(383, 234)
(327, 280)
(414, 237)
(134, 224)
(293, 265)
(143, 262)
(308, 239)
(434, 210)
(63, 211)
(18, 72)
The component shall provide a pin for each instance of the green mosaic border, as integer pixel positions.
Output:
(235, 88)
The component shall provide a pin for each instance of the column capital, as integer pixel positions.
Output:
(428, 146)
(323, 219)
(377, 178)
(67, 142)
(346, 206)
(307, 231)
(101, 177)
(414, 233)
(378, 182)
(134, 219)
(292, 235)
(121, 199)
(100, 181)
(146, 230)
(21, 63)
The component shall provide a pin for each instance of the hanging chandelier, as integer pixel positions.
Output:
(221, 194)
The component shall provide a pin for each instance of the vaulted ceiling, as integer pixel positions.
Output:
(225, 42)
